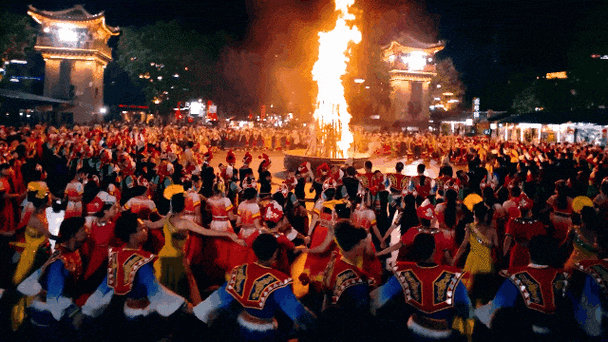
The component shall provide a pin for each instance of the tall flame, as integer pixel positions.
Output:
(327, 71)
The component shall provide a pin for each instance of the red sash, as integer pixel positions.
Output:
(539, 287)
(123, 265)
(252, 284)
(428, 289)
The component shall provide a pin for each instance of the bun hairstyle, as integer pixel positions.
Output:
(126, 225)
(348, 236)
(104, 208)
(69, 227)
(36, 199)
(264, 246)
(178, 202)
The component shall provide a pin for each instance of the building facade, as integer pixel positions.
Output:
(411, 69)
(73, 43)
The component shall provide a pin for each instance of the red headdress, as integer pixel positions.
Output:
(247, 158)
(304, 167)
(426, 210)
(272, 212)
(208, 155)
(249, 182)
(322, 168)
(290, 181)
(230, 157)
(266, 161)
(329, 183)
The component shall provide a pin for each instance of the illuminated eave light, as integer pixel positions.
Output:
(416, 60)
(18, 61)
(67, 33)
(453, 101)
(176, 75)
(359, 80)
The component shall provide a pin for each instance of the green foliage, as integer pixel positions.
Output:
(17, 37)
(169, 63)
(449, 79)
(526, 101)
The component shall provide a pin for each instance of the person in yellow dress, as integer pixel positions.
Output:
(170, 268)
(36, 246)
(482, 237)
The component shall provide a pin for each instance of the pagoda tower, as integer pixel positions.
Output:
(411, 68)
(73, 43)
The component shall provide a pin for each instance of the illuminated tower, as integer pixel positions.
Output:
(73, 43)
(411, 69)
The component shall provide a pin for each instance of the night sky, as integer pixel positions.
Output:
(511, 36)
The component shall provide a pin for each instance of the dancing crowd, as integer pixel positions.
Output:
(135, 233)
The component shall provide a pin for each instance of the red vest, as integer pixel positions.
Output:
(366, 180)
(123, 265)
(252, 284)
(398, 181)
(340, 275)
(598, 270)
(428, 289)
(539, 287)
(72, 261)
(423, 190)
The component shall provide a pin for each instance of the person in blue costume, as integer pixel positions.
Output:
(434, 294)
(537, 292)
(345, 313)
(135, 306)
(53, 316)
(588, 292)
(259, 294)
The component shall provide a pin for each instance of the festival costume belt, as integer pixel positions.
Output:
(137, 303)
(246, 316)
(429, 328)
(220, 218)
(32, 232)
(560, 214)
(41, 296)
(431, 323)
(259, 325)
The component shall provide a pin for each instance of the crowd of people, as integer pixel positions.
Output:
(129, 232)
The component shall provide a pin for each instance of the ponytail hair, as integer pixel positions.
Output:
(450, 210)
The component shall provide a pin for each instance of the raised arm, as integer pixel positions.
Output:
(156, 224)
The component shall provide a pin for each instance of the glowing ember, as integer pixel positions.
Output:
(332, 114)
